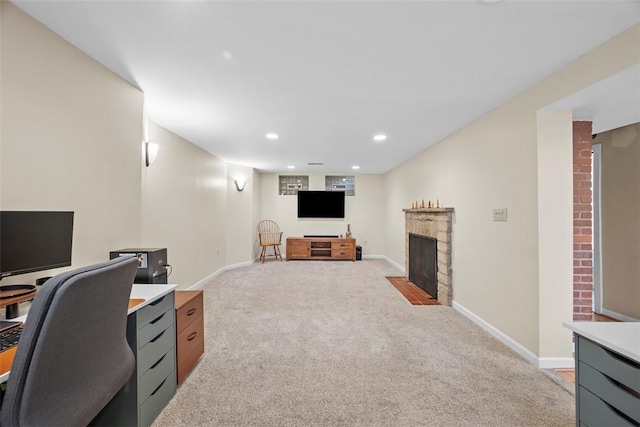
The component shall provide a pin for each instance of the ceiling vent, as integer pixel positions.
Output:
(315, 164)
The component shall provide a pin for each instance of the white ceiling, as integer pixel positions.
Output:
(328, 75)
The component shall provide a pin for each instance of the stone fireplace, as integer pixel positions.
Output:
(435, 223)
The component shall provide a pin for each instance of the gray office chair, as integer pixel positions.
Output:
(73, 355)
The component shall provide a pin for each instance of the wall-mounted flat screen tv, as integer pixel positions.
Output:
(34, 241)
(320, 204)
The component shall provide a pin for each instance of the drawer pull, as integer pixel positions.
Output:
(620, 414)
(156, 320)
(192, 336)
(160, 386)
(192, 311)
(156, 302)
(622, 359)
(158, 362)
(158, 336)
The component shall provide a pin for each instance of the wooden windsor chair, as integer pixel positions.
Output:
(269, 235)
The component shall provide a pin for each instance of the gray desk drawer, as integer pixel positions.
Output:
(610, 392)
(155, 375)
(151, 312)
(155, 349)
(596, 413)
(158, 399)
(609, 363)
(154, 327)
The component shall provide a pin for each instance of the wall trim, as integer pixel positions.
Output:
(509, 342)
(389, 260)
(201, 283)
(539, 362)
(618, 316)
(556, 362)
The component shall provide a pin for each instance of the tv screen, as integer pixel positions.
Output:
(34, 241)
(320, 204)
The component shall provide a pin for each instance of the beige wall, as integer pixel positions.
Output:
(184, 197)
(240, 225)
(70, 139)
(620, 220)
(364, 212)
(492, 163)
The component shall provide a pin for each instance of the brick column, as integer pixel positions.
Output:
(582, 222)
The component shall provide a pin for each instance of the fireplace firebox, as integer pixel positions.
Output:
(423, 264)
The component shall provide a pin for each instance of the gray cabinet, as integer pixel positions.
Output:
(607, 386)
(151, 332)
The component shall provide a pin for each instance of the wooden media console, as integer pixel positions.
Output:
(321, 248)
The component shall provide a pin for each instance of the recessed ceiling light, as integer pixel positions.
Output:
(272, 136)
(355, 167)
(380, 137)
(489, 1)
(291, 167)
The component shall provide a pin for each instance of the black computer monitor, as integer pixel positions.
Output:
(34, 241)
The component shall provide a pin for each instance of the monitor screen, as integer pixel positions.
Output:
(34, 241)
(321, 204)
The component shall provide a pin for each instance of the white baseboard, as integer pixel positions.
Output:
(539, 362)
(201, 283)
(556, 362)
(392, 262)
(618, 316)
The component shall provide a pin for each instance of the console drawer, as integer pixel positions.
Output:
(151, 353)
(625, 401)
(595, 412)
(153, 328)
(342, 253)
(342, 245)
(151, 379)
(611, 364)
(190, 346)
(151, 311)
(158, 399)
(190, 311)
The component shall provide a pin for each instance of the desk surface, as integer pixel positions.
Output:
(621, 337)
(142, 294)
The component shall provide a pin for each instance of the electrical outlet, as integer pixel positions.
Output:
(217, 251)
(500, 214)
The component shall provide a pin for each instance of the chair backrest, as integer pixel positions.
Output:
(73, 356)
(269, 232)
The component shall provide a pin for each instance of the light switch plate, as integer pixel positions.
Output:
(500, 214)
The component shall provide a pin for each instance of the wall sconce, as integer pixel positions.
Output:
(240, 184)
(150, 152)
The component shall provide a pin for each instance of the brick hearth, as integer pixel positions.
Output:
(436, 223)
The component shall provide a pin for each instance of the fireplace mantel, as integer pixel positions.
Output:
(436, 223)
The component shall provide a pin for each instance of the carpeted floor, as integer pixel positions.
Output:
(313, 343)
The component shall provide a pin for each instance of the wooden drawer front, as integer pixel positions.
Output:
(595, 412)
(158, 399)
(610, 392)
(190, 347)
(611, 364)
(151, 353)
(151, 312)
(153, 328)
(343, 245)
(155, 375)
(342, 253)
(189, 312)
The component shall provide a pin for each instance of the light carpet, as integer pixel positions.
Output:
(313, 343)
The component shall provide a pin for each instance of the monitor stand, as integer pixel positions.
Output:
(12, 295)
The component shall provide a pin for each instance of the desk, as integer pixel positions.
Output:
(150, 302)
(607, 373)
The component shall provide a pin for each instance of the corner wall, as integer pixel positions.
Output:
(492, 163)
(70, 139)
